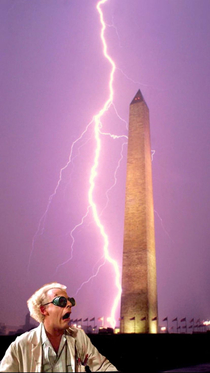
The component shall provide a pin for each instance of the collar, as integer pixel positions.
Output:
(45, 339)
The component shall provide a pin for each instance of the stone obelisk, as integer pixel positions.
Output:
(139, 313)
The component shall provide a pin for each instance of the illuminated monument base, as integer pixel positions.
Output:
(139, 290)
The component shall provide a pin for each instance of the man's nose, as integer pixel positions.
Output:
(69, 305)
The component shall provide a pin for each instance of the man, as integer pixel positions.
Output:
(53, 346)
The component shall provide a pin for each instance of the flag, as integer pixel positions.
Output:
(174, 319)
(166, 319)
(75, 320)
(133, 318)
(143, 318)
(101, 319)
(93, 319)
(154, 318)
(86, 319)
(79, 320)
(192, 320)
(184, 319)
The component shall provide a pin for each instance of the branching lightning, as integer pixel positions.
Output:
(96, 122)
(93, 174)
(164, 229)
(42, 221)
(73, 239)
(152, 154)
(91, 277)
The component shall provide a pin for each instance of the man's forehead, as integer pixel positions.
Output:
(57, 292)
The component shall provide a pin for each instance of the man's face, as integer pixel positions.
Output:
(57, 317)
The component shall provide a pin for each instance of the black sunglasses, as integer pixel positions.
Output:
(61, 302)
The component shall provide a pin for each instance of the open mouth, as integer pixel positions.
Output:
(66, 316)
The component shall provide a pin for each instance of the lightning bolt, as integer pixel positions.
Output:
(93, 173)
(96, 122)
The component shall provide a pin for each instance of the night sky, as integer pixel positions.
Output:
(54, 79)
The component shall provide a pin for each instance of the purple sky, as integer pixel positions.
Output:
(54, 78)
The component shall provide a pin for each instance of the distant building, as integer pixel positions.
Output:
(2, 329)
(14, 329)
(28, 325)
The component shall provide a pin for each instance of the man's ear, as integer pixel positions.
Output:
(43, 310)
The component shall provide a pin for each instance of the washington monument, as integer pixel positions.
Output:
(139, 289)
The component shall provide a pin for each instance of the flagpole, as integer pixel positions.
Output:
(166, 319)
(144, 319)
(184, 319)
(93, 319)
(102, 321)
(192, 320)
(133, 319)
(121, 319)
(176, 319)
(86, 320)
